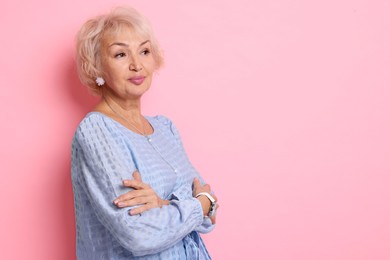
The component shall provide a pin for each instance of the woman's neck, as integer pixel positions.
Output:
(129, 108)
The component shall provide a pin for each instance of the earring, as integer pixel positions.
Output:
(100, 81)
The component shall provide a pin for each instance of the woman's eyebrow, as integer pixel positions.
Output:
(119, 44)
(144, 42)
(125, 44)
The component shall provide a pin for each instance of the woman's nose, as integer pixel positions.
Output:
(135, 65)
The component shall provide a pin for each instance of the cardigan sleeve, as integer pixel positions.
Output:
(99, 165)
(206, 225)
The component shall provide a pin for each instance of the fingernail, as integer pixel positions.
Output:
(115, 202)
(120, 204)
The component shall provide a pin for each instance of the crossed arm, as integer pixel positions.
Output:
(144, 196)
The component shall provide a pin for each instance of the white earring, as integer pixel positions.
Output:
(100, 81)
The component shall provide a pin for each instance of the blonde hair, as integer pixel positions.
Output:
(90, 36)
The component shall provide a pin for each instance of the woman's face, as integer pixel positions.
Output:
(127, 64)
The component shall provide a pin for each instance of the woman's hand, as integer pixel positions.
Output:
(206, 203)
(142, 195)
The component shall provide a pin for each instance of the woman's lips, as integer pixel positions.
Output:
(138, 80)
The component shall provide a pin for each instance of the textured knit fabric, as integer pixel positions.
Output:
(104, 153)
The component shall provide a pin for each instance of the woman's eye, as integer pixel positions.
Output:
(120, 55)
(145, 52)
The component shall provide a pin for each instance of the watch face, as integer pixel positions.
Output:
(213, 209)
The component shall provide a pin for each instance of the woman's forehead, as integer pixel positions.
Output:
(125, 31)
(124, 34)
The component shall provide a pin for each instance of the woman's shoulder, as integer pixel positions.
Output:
(161, 119)
(92, 120)
(163, 122)
(94, 126)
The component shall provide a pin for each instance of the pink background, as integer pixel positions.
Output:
(283, 107)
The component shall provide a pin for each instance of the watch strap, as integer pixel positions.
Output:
(213, 206)
(212, 200)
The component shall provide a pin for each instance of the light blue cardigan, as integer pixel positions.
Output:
(103, 154)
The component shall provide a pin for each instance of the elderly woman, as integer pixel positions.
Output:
(136, 194)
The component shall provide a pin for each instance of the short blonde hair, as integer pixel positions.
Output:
(90, 36)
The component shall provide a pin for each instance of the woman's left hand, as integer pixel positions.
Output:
(205, 202)
(142, 194)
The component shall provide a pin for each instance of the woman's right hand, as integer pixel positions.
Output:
(206, 203)
(141, 194)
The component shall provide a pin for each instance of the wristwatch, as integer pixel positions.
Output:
(213, 207)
